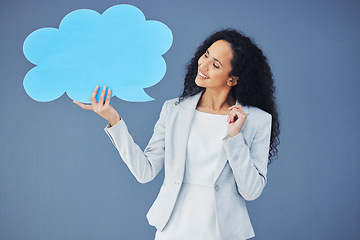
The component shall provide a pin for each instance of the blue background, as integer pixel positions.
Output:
(61, 178)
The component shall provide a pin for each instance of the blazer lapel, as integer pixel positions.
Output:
(186, 115)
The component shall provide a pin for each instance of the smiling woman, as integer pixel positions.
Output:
(214, 67)
(215, 142)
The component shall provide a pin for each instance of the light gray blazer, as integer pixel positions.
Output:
(239, 177)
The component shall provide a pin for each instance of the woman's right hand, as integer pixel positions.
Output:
(103, 108)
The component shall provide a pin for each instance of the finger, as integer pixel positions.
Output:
(93, 95)
(83, 106)
(107, 100)
(235, 106)
(230, 114)
(102, 95)
(234, 114)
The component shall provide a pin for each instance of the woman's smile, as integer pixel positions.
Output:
(202, 75)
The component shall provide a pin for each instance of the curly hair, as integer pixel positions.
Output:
(255, 85)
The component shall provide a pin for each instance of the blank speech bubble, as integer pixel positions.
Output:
(119, 49)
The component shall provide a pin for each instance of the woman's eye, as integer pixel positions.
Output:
(215, 65)
(205, 55)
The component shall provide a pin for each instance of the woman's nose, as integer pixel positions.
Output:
(205, 64)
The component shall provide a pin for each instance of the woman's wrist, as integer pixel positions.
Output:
(114, 121)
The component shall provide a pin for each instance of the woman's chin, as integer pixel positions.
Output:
(199, 82)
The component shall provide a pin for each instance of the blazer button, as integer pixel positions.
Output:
(216, 188)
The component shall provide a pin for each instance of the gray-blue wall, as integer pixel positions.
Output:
(61, 178)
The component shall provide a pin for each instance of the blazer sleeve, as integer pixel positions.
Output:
(144, 165)
(249, 163)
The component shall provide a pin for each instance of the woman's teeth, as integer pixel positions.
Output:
(202, 75)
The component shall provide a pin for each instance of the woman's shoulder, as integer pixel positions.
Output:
(170, 105)
(174, 103)
(258, 112)
(258, 115)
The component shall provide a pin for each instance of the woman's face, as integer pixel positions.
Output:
(214, 67)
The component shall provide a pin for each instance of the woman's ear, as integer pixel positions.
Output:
(232, 81)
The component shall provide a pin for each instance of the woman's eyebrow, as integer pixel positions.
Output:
(207, 51)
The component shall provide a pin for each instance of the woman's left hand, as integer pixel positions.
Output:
(236, 120)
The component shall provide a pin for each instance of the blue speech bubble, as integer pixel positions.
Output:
(119, 49)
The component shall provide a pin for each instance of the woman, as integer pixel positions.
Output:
(213, 141)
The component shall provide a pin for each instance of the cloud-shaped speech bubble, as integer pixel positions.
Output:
(119, 49)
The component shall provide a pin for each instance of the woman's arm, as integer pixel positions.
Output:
(143, 165)
(249, 163)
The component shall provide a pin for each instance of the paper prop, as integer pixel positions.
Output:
(119, 49)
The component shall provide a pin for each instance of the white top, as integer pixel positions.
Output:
(194, 215)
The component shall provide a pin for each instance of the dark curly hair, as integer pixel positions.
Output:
(255, 86)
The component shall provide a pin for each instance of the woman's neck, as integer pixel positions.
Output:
(215, 102)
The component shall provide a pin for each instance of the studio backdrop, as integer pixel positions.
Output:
(61, 177)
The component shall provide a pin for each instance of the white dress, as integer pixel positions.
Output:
(194, 215)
